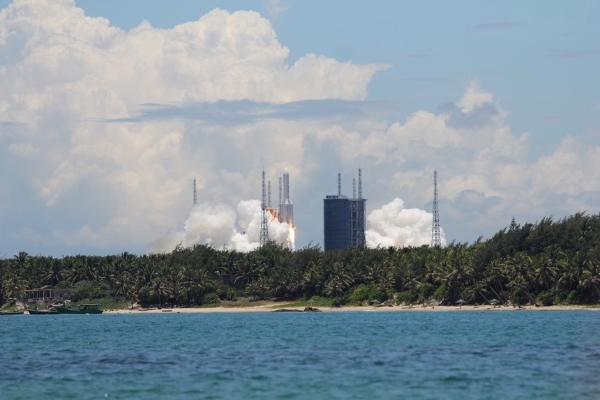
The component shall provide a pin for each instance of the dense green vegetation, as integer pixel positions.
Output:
(549, 262)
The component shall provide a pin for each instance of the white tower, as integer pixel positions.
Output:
(287, 208)
(436, 240)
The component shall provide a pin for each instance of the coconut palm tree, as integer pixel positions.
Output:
(339, 280)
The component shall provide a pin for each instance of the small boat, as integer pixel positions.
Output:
(42, 312)
(11, 312)
(82, 309)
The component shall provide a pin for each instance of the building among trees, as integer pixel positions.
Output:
(344, 218)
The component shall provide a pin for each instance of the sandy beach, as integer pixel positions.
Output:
(271, 307)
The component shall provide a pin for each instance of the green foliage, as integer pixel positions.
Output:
(545, 299)
(89, 290)
(520, 263)
(426, 289)
(572, 298)
(519, 296)
(211, 298)
(364, 293)
(194, 295)
(226, 292)
(319, 301)
(10, 306)
(145, 298)
(407, 297)
(441, 292)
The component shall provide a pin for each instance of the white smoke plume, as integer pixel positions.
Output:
(395, 225)
(223, 228)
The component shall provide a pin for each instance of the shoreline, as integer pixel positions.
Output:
(276, 306)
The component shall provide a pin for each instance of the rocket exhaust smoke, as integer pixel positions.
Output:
(394, 225)
(224, 228)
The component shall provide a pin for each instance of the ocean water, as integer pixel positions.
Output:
(345, 355)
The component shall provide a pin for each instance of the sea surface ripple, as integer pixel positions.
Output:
(346, 355)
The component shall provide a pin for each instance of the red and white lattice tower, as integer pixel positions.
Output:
(264, 221)
(195, 193)
(436, 240)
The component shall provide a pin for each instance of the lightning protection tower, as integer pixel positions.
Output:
(362, 213)
(264, 222)
(280, 205)
(435, 228)
(195, 193)
(269, 194)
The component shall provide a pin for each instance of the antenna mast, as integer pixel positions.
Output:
(339, 183)
(269, 193)
(435, 228)
(264, 227)
(359, 183)
(195, 193)
(362, 221)
(280, 209)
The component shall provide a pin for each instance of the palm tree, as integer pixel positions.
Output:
(15, 288)
(477, 289)
(51, 269)
(545, 271)
(338, 282)
(495, 274)
(159, 289)
(590, 279)
(175, 283)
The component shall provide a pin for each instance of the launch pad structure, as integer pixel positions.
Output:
(264, 224)
(344, 218)
(284, 212)
(286, 208)
(436, 240)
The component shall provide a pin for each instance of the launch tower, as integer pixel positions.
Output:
(286, 208)
(344, 218)
(195, 193)
(436, 241)
(264, 222)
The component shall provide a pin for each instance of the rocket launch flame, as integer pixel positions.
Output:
(286, 208)
(292, 237)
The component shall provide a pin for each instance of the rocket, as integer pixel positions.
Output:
(286, 208)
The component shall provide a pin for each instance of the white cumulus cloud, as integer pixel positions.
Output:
(68, 79)
(102, 131)
(395, 225)
(275, 8)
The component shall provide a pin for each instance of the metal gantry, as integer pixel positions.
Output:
(264, 222)
(280, 206)
(363, 226)
(436, 240)
(195, 193)
(344, 218)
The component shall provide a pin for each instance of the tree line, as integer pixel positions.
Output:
(548, 262)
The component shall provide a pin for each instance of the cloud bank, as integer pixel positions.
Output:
(102, 131)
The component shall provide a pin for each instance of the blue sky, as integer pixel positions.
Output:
(540, 58)
(503, 97)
